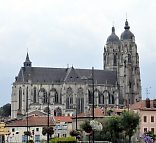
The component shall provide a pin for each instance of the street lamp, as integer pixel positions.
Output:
(48, 119)
(27, 112)
(93, 98)
(92, 79)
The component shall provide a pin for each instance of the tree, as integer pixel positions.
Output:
(115, 128)
(86, 127)
(48, 130)
(130, 121)
(5, 111)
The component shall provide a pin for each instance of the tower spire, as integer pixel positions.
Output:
(27, 62)
(126, 25)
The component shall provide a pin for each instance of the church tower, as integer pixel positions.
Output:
(121, 56)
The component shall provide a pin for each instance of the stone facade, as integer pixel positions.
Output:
(65, 89)
(121, 55)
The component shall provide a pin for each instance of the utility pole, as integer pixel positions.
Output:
(48, 120)
(93, 98)
(27, 111)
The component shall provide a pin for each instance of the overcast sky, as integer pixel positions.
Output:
(58, 33)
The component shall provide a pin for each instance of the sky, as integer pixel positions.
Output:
(58, 33)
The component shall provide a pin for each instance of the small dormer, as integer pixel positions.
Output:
(27, 62)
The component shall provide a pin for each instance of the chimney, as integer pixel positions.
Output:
(147, 103)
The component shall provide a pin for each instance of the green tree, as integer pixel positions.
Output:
(130, 121)
(5, 111)
(115, 128)
(48, 130)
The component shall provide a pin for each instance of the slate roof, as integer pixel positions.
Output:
(113, 38)
(127, 34)
(61, 75)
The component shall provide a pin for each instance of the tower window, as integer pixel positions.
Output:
(115, 60)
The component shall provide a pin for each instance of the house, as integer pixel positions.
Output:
(33, 123)
(63, 126)
(147, 111)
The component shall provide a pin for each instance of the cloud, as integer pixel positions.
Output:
(57, 33)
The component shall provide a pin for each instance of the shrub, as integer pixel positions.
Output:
(47, 130)
(86, 127)
(27, 133)
(63, 140)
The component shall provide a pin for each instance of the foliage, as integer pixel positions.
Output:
(27, 133)
(30, 141)
(63, 140)
(130, 121)
(5, 111)
(47, 130)
(74, 133)
(86, 127)
(116, 128)
(149, 137)
(96, 126)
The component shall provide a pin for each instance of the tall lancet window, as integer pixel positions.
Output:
(115, 60)
(129, 58)
(20, 98)
(54, 94)
(45, 97)
(35, 95)
(80, 101)
(27, 98)
(110, 98)
(101, 98)
(69, 98)
(90, 97)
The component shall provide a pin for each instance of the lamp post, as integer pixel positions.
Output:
(27, 112)
(93, 98)
(76, 112)
(48, 120)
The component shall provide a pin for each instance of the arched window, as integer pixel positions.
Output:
(47, 109)
(80, 101)
(129, 58)
(35, 95)
(101, 98)
(58, 112)
(115, 60)
(20, 98)
(69, 98)
(90, 96)
(54, 94)
(45, 97)
(27, 99)
(110, 98)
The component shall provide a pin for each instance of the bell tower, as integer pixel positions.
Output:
(121, 56)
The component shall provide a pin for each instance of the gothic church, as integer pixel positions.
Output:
(64, 89)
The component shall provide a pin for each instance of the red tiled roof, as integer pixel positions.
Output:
(32, 121)
(142, 105)
(63, 118)
(98, 112)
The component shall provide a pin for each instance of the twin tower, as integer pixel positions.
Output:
(121, 55)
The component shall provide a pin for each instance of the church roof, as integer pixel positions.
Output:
(61, 75)
(113, 38)
(127, 34)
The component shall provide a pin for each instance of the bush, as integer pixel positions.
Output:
(86, 127)
(47, 130)
(27, 133)
(63, 140)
